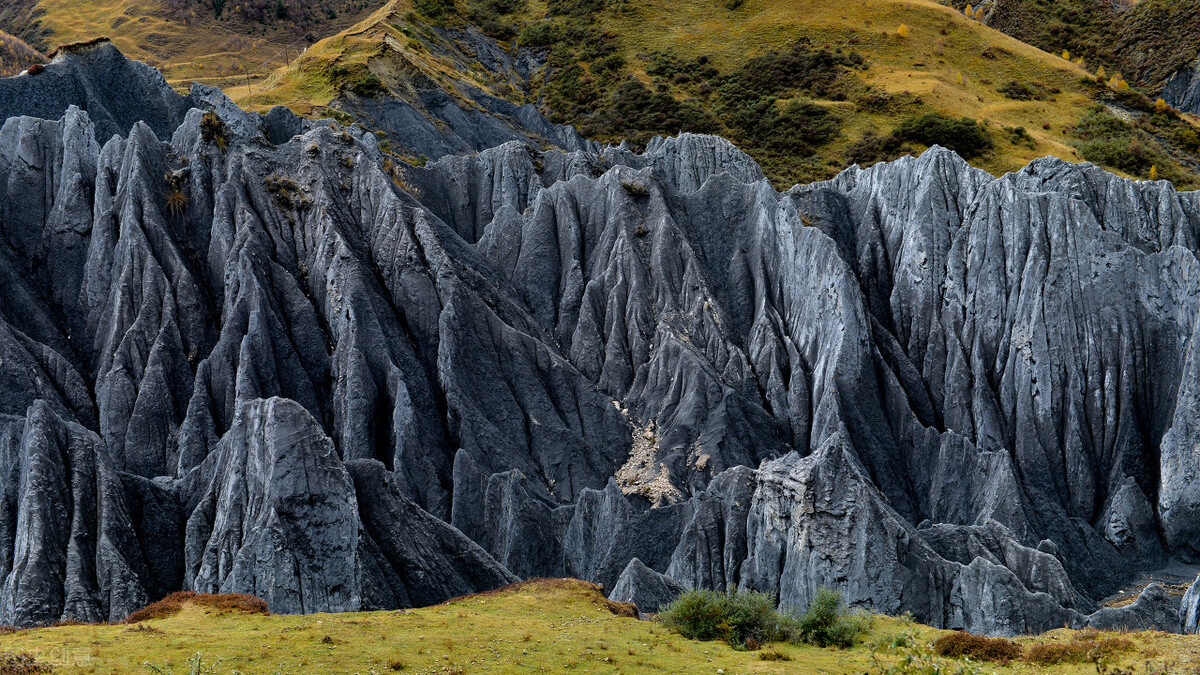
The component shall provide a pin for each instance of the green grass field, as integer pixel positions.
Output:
(547, 626)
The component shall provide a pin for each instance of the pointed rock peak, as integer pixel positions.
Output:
(688, 160)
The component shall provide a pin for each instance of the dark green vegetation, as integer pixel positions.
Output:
(765, 106)
(1145, 41)
(964, 136)
(788, 107)
(827, 622)
(1130, 133)
(746, 619)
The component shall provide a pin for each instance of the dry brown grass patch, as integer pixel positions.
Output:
(959, 644)
(15, 663)
(1085, 647)
(224, 602)
(76, 47)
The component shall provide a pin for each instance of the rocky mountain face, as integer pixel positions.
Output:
(1182, 89)
(253, 356)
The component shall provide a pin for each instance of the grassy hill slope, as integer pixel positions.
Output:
(939, 62)
(540, 626)
(1146, 41)
(16, 55)
(807, 87)
(186, 39)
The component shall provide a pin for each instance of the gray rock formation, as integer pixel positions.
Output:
(645, 588)
(1189, 611)
(282, 368)
(1153, 609)
(1182, 89)
(274, 514)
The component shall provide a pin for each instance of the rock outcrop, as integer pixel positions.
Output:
(1182, 89)
(279, 365)
(644, 588)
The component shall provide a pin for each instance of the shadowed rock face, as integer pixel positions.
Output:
(965, 397)
(1182, 89)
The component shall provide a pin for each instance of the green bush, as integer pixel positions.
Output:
(872, 148)
(964, 136)
(543, 34)
(827, 622)
(368, 86)
(1188, 138)
(434, 9)
(818, 72)
(1110, 141)
(802, 125)
(738, 618)
(749, 619)
(581, 8)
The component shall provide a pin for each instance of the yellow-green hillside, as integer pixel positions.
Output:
(955, 65)
(917, 57)
(614, 71)
(185, 40)
(15, 55)
(542, 626)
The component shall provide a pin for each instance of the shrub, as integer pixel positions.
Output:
(773, 655)
(287, 192)
(802, 125)
(872, 148)
(434, 9)
(173, 603)
(1017, 91)
(579, 8)
(1019, 136)
(1188, 138)
(734, 617)
(827, 622)
(176, 202)
(964, 136)
(818, 72)
(636, 190)
(959, 644)
(368, 86)
(1108, 140)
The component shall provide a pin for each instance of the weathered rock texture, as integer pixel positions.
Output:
(276, 367)
(1182, 89)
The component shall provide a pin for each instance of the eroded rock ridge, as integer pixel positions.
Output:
(272, 362)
